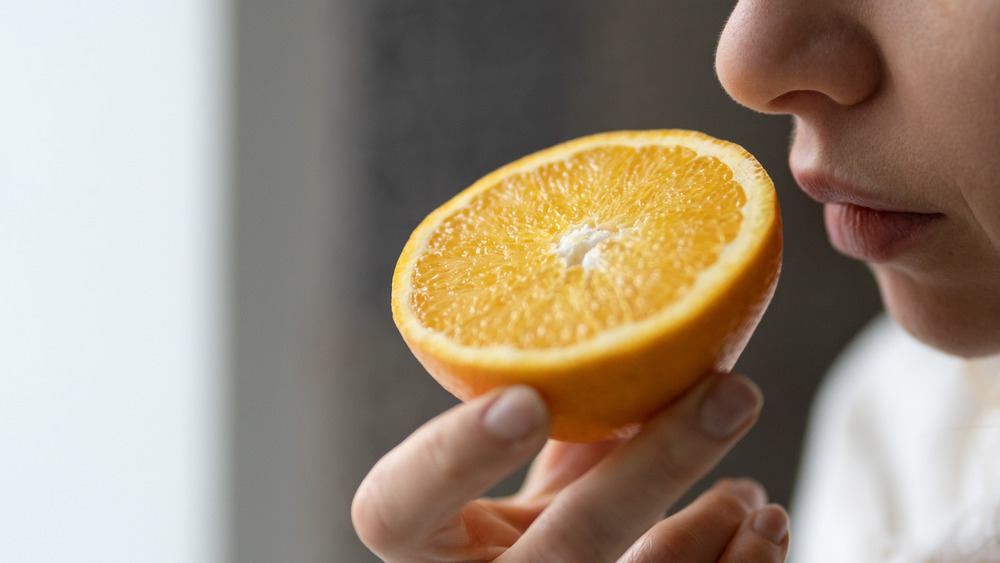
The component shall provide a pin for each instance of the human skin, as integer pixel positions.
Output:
(897, 132)
(580, 502)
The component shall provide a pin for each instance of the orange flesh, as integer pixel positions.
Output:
(580, 243)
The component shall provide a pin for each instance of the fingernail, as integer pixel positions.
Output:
(730, 404)
(750, 492)
(515, 414)
(771, 523)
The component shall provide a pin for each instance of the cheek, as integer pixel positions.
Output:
(968, 173)
(968, 134)
(947, 81)
(942, 108)
(981, 193)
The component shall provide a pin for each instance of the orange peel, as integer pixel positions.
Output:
(610, 273)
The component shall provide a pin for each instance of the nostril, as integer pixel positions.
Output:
(798, 102)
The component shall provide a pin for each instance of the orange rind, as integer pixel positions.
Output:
(610, 273)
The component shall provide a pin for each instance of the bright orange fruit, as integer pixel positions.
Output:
(610, 273)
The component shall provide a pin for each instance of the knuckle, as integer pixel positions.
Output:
(739, 497)
(572, 535)
(643, 551)
(368, 516)
(684, 544)
(681, 463)
(441, 458)
(569, 545)
(674, 544)
(732, 505)
(754, 550)
(681, 453)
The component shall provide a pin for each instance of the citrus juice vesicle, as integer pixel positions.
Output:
(610, 273)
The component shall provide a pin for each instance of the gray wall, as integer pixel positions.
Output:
(355, 119)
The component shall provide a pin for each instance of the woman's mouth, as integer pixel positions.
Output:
(873, 235)
(863, 227)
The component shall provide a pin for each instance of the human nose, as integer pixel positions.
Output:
(787, 56)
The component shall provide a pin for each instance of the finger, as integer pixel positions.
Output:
(423, 484)
(762, 538)
(559, 464)
(703, 530)
(601, 514)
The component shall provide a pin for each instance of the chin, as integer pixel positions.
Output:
(957, 318)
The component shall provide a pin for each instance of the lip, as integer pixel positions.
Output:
(865, 226)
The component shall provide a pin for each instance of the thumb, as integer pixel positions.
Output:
(423, 484)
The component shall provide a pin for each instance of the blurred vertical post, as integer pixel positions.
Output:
(294, 204)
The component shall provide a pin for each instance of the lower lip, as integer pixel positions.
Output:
(874, 235)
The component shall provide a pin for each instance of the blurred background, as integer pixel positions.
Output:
(201, 203)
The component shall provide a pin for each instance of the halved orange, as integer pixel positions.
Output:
(610, 273)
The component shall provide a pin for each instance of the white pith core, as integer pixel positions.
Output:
(580, 247)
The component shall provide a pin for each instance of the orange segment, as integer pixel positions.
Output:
(609, 272)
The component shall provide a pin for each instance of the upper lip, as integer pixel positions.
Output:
(826, 188)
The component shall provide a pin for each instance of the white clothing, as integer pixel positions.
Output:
(902, 459)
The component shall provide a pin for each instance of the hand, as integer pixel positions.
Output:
(580, 502)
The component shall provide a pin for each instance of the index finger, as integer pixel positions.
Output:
(600, 515)
(422, 485)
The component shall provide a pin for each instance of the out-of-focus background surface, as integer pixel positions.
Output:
(201, 203)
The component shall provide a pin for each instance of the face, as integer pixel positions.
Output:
(896, 110)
